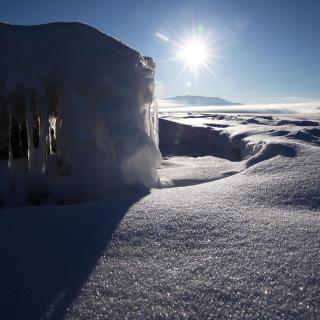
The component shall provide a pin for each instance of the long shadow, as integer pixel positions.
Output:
(48, 253)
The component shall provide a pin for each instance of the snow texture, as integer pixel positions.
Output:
(77, 114)
(233, 233)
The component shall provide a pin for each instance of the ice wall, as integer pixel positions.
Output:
(78, 105)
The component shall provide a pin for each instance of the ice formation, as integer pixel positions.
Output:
(78, 120)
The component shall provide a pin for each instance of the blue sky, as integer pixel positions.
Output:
(265, 51)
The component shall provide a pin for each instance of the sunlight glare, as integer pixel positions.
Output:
(197, 52)
(193, 53)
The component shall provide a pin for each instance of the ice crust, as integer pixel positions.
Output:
(81, 104)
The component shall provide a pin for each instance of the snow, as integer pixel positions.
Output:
(83, 101)
(233, 233)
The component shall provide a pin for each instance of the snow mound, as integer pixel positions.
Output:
(270, 150)
(77, 114)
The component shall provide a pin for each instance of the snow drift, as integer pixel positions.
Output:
(77, 114)
(242, 141)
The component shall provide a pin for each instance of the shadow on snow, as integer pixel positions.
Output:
(47, 253)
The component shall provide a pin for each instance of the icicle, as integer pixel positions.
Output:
(52, 127)
(10, 157)
(57, 135)
(50, 139)
(150, 120)
(50, 136)
(155, 122)
(20, 139)
(30, 128)
(43, 134)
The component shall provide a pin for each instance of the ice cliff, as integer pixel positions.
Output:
(78, 120)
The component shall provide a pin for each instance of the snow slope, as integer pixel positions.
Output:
(233, 234)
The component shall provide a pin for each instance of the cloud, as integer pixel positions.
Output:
(274, 108)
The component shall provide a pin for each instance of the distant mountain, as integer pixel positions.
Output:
(203, 101)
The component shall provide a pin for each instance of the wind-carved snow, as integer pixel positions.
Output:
(200, 148)
(78, 117)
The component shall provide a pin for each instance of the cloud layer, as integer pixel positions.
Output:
(275, 108)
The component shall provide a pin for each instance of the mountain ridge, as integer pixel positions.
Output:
(202, 100)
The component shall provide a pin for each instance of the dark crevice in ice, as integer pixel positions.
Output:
(184, 140)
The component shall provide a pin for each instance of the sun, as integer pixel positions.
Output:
(196, 50)
(194, 53)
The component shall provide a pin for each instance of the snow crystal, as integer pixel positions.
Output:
(226, 241)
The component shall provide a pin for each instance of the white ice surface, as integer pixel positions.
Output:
(96, 93)
(244, 246)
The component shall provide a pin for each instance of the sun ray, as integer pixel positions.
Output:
(179, 74)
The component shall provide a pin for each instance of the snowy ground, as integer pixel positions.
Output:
(234, 233)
